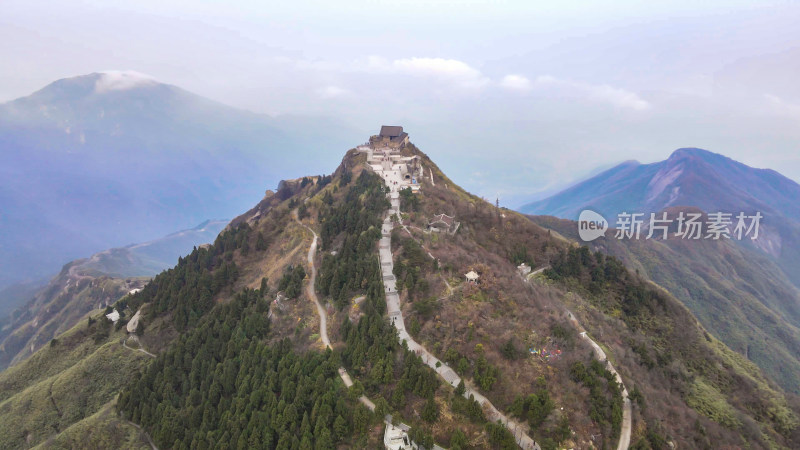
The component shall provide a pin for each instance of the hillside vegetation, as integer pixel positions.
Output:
(240, 360)
(687, 386)
(739, 296)
(65, 383)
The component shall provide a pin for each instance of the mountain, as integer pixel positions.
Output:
(696, 178)
(16, 294)
(149, 258)
(328, 305)
(689, 177)
(90, 283)
(106, 159)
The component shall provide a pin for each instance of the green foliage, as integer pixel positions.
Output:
(707, 400)
(430, 412)
(356, 220)
(261, 242)
(221, 383)
(426, 307)
(410, 267)
(637, 397)
(535, 408)
(188, 289)
(468, 407)
(409, 202)
(102, 328)
(292, 281)
(458, 440)
(500, 437)
(509, 350)
(421, 437)
(485, 374)
(600, 274)
(519, 255)
(565, 335)
(414, 327)
(605, 395)
(103, 429)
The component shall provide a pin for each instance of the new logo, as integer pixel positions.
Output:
(591, 225)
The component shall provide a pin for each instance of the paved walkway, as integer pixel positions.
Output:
(625, 430)
(394, 181)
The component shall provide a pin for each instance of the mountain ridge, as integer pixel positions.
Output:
(133, 164)
(234, 330)
(90, 283)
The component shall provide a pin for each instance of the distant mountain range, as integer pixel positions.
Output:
(90, 283)
(106, 159)
(689, 177)
(697, 178)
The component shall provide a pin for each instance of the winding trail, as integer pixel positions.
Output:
(625, 429)
(323, 315)
(392, 178)
(146, 436)
(140, 349)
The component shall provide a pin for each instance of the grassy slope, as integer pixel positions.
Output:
(62, 385)
(102, 430)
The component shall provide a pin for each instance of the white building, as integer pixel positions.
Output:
(113, 316)
(472, 276)
(395, 438)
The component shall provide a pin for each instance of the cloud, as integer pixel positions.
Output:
(329, 92)
(617, 97)
(120, 80)
(782, 107)
(515, 83)
(444, 70)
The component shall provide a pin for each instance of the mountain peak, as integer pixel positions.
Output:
(72, 89)
(694, 153)
(120, 80)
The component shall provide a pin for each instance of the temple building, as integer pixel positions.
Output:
(391, 136)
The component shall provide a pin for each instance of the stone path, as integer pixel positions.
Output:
(395, 182)
(625, 430)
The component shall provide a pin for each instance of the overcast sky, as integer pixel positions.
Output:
(515, 98)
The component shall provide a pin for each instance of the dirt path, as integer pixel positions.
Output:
(146, 436)
(140, 349)
(323, 315)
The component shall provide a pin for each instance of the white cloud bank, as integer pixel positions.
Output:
(441, 69)
(617, 97)
(515, 83)
(782, 107)
(120, 80)
(459, 74)
(329, 92)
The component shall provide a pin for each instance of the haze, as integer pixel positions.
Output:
(510, 98)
